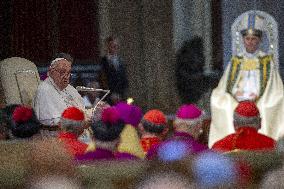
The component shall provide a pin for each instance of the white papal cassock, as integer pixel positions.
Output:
(50, 102)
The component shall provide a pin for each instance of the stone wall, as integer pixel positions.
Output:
(145, 31)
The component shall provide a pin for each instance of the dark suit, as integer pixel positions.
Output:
(112, 78)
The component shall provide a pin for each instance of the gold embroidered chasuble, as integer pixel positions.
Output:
(269, 99)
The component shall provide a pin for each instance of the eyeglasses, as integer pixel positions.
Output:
(63, 73)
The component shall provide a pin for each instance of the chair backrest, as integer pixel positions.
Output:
(19, 80)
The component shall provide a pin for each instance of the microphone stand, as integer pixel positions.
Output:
(88, 89)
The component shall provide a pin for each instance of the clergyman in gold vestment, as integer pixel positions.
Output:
(252, 74)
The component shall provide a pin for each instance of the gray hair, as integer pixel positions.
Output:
(71, 125)
(241, 121)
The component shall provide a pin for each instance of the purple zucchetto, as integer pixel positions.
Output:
(188, 111)
(130, 114)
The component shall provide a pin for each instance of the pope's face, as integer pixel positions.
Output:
(251, 43)
(60, 73)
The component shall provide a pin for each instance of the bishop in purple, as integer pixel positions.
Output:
(187, 128)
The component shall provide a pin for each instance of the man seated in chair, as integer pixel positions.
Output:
(55, 94)
(251, 75)
(247, 122)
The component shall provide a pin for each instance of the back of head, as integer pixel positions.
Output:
(51, 182)
(213, 170)
(154, 121)
(165, 180)
(24, 122)
(109, 127)
(72, 120)
(272, 179)
(189, 119)
(50, 158)
(129, 139)
(130, 114)
(247, 115)
(8, 112)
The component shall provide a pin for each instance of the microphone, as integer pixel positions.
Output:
(89, 89)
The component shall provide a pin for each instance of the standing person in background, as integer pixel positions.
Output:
(113, 74)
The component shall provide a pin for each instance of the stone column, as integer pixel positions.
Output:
(200, 20)
(124, 20)
(159, 55)
(104, 22)
(145, 30)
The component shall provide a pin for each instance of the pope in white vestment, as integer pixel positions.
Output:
(50, 102)
(251, 75)
(55, 93)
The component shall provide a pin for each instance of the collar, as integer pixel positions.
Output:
(251, 55)
(257, 53)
